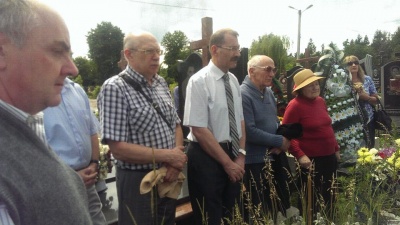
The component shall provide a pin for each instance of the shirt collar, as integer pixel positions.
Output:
(67, 84)
(23, 116)
(215, 70)
(140, 78)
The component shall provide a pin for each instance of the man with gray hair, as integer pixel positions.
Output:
(36, 187)
(140, 124)
(260, 115)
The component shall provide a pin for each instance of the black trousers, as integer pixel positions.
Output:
(322, 185)
(212, 194)
(148, 208)
(267, 184)
(371, 134)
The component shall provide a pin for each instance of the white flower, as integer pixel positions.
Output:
(373, 151)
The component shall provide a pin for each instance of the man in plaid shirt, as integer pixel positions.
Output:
(140, 136)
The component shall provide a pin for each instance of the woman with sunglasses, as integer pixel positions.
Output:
(366, 95)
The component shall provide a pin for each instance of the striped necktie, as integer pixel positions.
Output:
(232, 121)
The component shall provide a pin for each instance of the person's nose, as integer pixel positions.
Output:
(70, 69)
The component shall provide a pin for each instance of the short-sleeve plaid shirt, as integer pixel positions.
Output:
(127, 116)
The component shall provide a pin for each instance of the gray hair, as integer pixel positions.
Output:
(133, 40)
(218, 38)
(253, 61)
(18, 18)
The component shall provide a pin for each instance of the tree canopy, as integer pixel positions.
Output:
(105, 44)
(176, 47)
(106, 41)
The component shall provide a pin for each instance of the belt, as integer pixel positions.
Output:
(226, 146)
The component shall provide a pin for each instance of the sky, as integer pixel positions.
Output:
(325, 22)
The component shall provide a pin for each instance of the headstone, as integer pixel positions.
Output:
(366, 64)
(186, 69)
(240, 71)
(390, 87)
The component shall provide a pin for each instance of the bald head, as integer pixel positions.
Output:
(35, 55)
(142, 52)
(133, 40)
(19, 18)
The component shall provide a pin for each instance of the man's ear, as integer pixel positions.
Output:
(3, 40)
(213, 49)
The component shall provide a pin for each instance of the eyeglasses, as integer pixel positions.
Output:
(149, 51)
(231, 48)
(267, 69)
(351, 63)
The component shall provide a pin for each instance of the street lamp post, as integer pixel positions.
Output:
(299, 28)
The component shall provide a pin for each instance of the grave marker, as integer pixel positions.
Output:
(390, 87)
(206, 32)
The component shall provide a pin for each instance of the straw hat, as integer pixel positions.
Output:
(304, 78)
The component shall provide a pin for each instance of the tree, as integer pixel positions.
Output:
(311, 47)
(87, 72)
(381, 45)
(176, 47)
(359, 47)
(395, 42)
(105, 44)
(275, 47)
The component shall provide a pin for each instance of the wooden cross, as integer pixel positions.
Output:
(206, 31)
(307, 59)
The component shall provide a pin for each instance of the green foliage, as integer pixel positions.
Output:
(77, 79)
(358, 47)
(93, 91)
(176, 45)
(105, 44)
(311, 47)
(87, 72)
(275, 47)
(395, 43)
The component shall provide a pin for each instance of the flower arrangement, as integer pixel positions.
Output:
(341, 103)
(385, 162)
(105, 164)
(370, 190)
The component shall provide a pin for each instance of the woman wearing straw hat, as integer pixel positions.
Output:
(317, 151)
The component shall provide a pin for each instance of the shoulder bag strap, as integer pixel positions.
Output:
(379, 104)
(138, 88)
(363, 116)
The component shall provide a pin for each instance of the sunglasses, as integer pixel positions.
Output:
(267, 68)
(351, 63)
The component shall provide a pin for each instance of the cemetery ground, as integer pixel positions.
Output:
(368, 192)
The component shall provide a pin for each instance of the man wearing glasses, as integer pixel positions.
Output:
(260, 115)
(216, 152)
(140, 124)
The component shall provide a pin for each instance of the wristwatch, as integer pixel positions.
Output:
(241, 150)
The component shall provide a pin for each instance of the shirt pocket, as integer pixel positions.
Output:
(143, 119)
